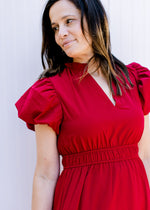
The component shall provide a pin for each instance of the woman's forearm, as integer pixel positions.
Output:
(43, 193)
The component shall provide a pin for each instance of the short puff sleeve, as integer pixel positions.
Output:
(142, 76)
(40, 105)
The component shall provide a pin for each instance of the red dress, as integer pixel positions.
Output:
(97, 139)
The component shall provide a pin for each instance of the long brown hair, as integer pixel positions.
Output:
(98, 27)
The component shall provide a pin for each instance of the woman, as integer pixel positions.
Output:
(88, 107)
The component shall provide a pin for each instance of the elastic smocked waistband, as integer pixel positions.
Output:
(102, 155)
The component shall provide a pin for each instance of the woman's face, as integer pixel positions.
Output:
(66, 22)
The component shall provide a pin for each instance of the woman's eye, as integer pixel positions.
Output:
(69, 21)
(55, 29)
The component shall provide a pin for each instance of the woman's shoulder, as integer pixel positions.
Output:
(49, 83)
(141, 75)
(40, 104)
(139, 71)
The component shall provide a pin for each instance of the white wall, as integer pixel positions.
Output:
(130, 30)
(20, 45)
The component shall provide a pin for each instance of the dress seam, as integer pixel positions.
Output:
(101, 162)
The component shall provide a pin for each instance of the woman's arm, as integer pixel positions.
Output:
(144, 146)
(47, 168)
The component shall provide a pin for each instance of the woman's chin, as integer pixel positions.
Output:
(78, 57)
(71, 55)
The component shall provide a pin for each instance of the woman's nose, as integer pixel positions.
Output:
(62, 31)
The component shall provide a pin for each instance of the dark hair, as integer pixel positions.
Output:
(98, 27)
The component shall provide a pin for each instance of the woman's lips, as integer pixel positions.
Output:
(68, 43)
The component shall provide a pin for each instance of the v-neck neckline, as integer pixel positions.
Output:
(77, 68)
(95, 83)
